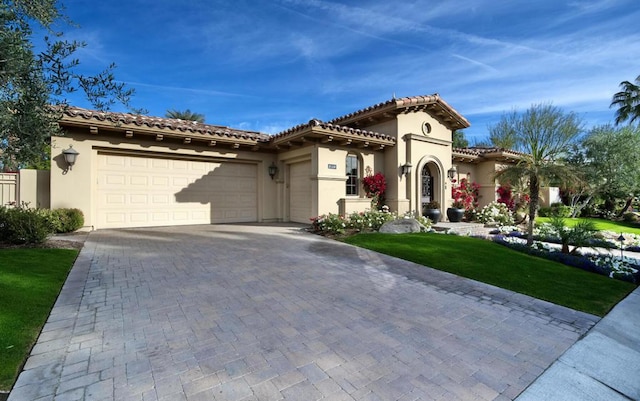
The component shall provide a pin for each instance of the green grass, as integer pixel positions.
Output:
(601, 224)
(498, 265)
(30, 281)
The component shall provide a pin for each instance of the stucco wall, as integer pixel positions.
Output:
(35, 188)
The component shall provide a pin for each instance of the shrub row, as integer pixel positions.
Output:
(371, 220)
(24, 225)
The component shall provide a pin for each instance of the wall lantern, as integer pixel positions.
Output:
(621, 239)
(451, 173)
(406, 169)
(273, 170)
(70, 156)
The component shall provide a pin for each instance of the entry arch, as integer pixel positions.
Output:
(429, 184)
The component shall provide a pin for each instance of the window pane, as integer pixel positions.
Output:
(352, 175)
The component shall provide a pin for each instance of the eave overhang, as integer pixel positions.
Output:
(316, 131)
(381, 112)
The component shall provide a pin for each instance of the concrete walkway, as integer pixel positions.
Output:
(241, 312)
(604, 365)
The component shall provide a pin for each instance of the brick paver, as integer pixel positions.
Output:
(268, 312)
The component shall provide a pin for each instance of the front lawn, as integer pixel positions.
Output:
(495, 264)
(601, 224)
(30, 281)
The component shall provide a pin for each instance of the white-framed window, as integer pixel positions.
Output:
(353, 173)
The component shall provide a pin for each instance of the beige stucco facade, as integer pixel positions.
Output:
(141, 171)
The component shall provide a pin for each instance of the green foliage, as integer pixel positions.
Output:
(609, 159)
(66, 220)
(459, 140)
(30, 83)
(556, 209)
(187, 115)
(578, 235)
(543, 134)
(22, 225)
(30, 280)
(627, 101)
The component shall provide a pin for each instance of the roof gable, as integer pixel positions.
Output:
(432, 104)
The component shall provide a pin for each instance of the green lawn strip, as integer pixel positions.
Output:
(30, 281)
(498, 265)
(601, 224)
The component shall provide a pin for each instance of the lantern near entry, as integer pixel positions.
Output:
(451, 173)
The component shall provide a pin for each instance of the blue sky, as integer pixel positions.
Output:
(270, 65)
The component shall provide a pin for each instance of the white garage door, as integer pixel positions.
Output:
(142, 192)
(300, 191)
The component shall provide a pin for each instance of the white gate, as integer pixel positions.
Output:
(8, 189)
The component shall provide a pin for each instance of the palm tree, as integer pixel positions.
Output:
(542, 134)
(185, 115)
(627, 101)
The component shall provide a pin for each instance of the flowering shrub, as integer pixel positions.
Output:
(626, 269)
(370, 220)
(495, 213)
(375, 187)
(331, 223)
(465, 195)
(505, 196)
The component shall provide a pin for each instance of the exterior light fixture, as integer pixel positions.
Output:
(451, 173)
(621, 239)
(406, 169)
(70, 156)
(273, 170)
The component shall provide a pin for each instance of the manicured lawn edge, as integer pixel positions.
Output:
(601, 224)
(30, 282)
(491, 263)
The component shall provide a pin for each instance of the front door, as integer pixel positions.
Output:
(427, 186)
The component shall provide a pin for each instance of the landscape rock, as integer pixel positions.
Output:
(401, 226)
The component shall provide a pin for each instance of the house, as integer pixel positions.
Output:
(137, 171)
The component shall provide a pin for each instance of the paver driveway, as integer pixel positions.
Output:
(242, 312)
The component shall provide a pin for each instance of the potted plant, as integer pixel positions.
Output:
(431, 210)
(456, 212)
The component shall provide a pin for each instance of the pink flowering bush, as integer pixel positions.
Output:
(465, 194)
(375, 187)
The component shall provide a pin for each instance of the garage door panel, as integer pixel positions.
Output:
(136, 192)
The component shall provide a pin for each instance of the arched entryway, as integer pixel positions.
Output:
(429, 185)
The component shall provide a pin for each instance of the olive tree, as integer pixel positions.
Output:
(33, 84)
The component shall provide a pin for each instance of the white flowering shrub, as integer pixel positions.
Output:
(495, 213)
(618, 267)
(370, 220)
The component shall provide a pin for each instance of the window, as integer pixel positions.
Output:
(352, 175)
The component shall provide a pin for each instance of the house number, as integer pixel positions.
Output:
(332, 166)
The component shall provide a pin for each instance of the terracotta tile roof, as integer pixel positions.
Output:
(176, 125)
(475, 153)
(336, 128)
(386, 110)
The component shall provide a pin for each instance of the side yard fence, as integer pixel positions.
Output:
(29, 187)
(9, 184)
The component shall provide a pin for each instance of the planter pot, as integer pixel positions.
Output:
(455, 215)
(432, 214)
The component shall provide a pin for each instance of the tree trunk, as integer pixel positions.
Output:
(534, 192)
(626, 206)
